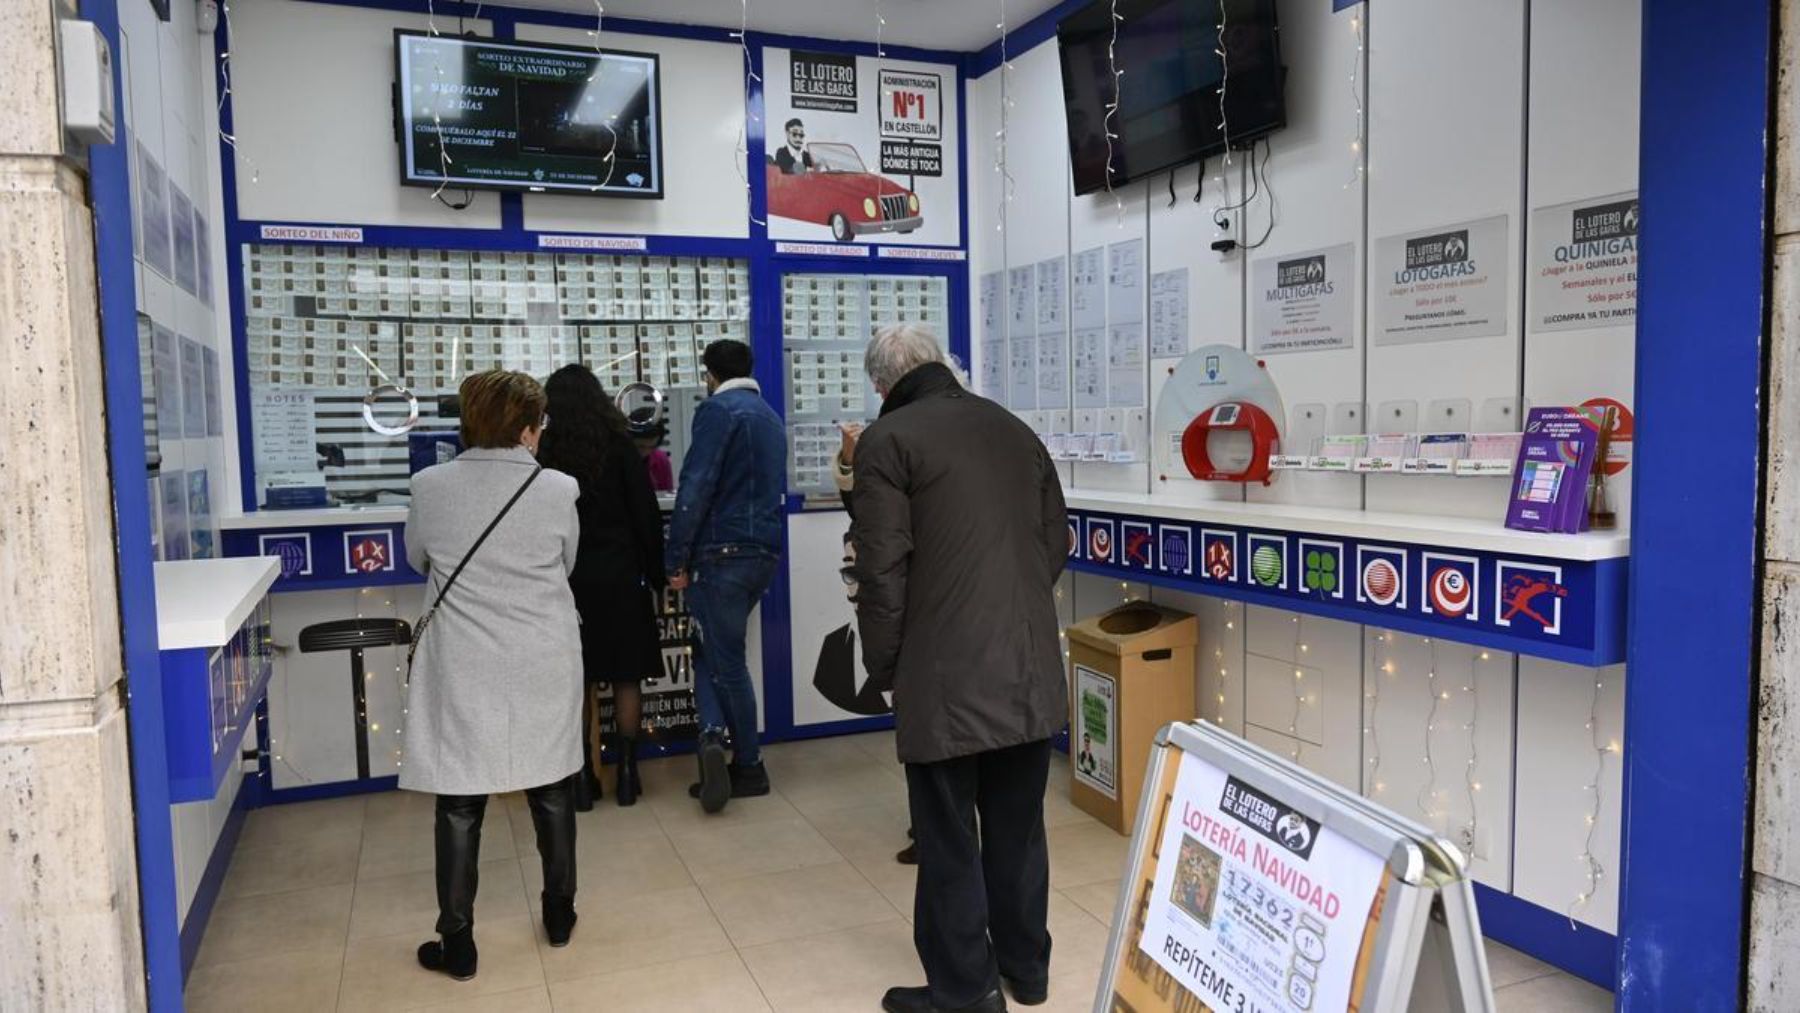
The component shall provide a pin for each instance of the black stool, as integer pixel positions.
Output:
(356, 636)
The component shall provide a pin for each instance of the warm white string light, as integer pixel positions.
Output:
(1219, 662)
(1112, 108)
(1002, 167)
(225, 94)
(751, 79)
(1356, 143)
(612, 116)
(881, 23)
(1427, 797)
(1300, 649)
(437, 118)
(1590, 862)
(1470, 772)
(1384, 666)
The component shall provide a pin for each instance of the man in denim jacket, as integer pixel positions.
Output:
(723, 546)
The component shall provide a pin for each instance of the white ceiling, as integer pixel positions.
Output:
(959, 25)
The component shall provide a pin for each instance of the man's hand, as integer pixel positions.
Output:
(849, 432)
(679, 580)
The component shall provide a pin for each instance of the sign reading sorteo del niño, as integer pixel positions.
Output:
(861, 149)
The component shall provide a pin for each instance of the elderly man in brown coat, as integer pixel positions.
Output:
(959, 537)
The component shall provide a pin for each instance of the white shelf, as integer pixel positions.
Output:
(202, 602)
(320, 517)
(1368, 525)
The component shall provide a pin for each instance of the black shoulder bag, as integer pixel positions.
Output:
(425, 620)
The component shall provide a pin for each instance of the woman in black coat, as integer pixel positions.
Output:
(618, 574)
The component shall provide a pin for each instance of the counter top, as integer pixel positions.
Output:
(326, 517)
(1370, 525)
(202, 602)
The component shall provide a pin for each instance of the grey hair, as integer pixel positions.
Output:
(898, 350)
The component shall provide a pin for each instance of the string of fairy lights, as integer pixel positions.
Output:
(1002, 168)
(1357, 158)
(751, 80)
(1300, 651)
(230, 137)
(1384, 669)
(1592, 867)
(1115, 74)
(612, 133)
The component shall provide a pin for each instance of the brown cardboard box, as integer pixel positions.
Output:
(1131, 672)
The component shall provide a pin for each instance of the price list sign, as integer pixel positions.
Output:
(1256, 907)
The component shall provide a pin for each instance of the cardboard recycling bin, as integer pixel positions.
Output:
(1131, 672)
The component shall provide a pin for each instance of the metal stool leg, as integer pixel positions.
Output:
(360, 690)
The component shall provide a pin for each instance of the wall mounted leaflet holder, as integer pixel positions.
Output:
(1218, 418)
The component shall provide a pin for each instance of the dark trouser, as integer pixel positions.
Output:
(984, 870)
(724, 591)
(459, 849)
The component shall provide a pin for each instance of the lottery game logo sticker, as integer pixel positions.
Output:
(369, 551)
(1177, 550)
(1268, 561)
(1321, 567)
(293, 549)
(1529, 594)
(1074, 540)
(1450, 586)
(1100, 541)
(1219, 549)
(1139, 544)
(1381, 576)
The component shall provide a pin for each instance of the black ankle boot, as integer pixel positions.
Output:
(749, 781)
(453, 955)
(628, 786)
(559, 919)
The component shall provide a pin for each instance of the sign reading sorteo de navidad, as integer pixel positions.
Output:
(1256, 905)
(1440, 284)
(1583, 268)
(859, 149)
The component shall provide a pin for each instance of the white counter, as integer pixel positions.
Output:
(325, 517)
(202, 602)
(1369, 525)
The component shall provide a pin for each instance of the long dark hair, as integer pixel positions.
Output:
(586, 427)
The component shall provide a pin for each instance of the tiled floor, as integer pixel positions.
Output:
(791, 902)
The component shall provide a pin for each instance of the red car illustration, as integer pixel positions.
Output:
(839, 191)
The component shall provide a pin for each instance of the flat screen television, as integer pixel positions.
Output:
(1168, 110)
(479, 114)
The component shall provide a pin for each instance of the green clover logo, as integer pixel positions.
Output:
(1321, 571)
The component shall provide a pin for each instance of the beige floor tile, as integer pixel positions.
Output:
(1060, 812)
(607, 821)
(609, 874)
(1098, 899)
(1085, 853)
(395, 808)
(652, 928)
(1553, 993)
(530, 1000)
(305, 863)
(791, 905)
(384, 973)
(286, 824)
(301, 981)
(896, 882)
(823, 753)
(1077, 939)
(718, 854)
(407, 845)
(838, 971)
(683, 813)
(865, 834)
(245, 928)
(878, 746)
(1071, 991)
(816, 787)
(390, 905)
(710, 984)
(1507, 966)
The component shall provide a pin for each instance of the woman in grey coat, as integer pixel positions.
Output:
(494, 702)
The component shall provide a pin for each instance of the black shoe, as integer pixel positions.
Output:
(918, 1000)
(908, 855)
(714, 789)
(1027, 993)
(749, 782)
(559, 919)
(453, 955)
(627, 788)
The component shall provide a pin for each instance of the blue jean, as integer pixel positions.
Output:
(719, 599)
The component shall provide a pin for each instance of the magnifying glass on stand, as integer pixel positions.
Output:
(642, 405)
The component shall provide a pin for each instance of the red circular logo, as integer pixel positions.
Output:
(1100, 543)
(1450, 592)
(1381, 582)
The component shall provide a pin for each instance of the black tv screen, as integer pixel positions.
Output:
(1168, 111)
(526, 116)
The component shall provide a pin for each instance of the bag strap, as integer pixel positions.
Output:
(484, 535)
(418, 632)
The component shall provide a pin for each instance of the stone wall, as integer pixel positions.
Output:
(69, 926)
(1774, 978)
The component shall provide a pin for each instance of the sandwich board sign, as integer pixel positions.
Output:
(1255, 885)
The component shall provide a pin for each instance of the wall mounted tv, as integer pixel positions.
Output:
(1168, 111)
(478, 114)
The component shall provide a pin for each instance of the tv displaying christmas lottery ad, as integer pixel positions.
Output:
(1256, 905)
(490, 115)
(861, 149)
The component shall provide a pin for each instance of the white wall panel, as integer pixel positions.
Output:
(1446, 131)
(1320, 705)
(1460, 784)
(1584, 144)
(312, 105)
(1219, 671)
(703, 112)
